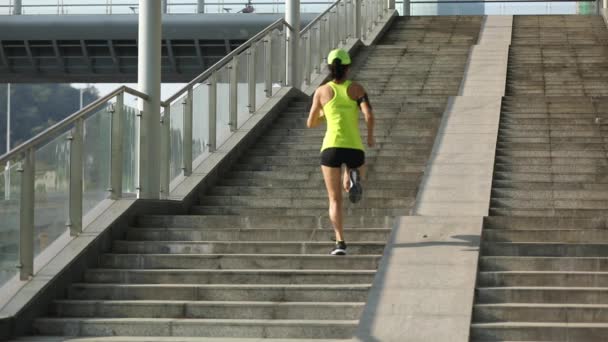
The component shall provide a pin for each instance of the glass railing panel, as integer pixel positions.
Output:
(176, 138)
(242, 89)
(97, 145)
(315, 52)
(10, 185)
(130, 121)
(223, 105)
(51, 189)
(278, 58)
(200, 120)
(260, 73)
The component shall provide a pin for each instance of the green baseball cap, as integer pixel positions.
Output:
(338, 54)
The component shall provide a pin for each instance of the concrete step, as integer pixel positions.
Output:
(227, 292)
(517, 263)
(578, 213)
(506, 222)
(270, 151)
(550, 161)
(315, 146)
(592, 176)
(306, 203)
(313, 166)
(530, 331)
(547, 235)
(567, 171)
(238, 261)
(542, 278)
(259, 221)
(243, 247)
(546, 249)
(313, 160)
(305, 192)
(257, 276)
(195, 327)
(347, 211)
(534, 312)
(546, 294)
(503, 186)
(316, 176)
(208, 309)
(557, 204)
(252, 234)
(317, 185)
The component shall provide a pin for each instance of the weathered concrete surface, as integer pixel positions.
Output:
(424, 290)
(423, 287)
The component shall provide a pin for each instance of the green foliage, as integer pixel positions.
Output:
(36, 107)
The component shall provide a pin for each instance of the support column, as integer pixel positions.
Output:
(292, 17)
(149, 57)
(406, 8)
(17, 9)
(200, 8)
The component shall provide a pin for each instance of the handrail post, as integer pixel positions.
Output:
(391, 4)
(212, 113)
(268, 66)
(292, 17)
(251, 59)
(357, 19)
(75, 182)
(116, 158)
(407, 8)
(26, 215)
(187, 139)
(283, 62)
(165, 152)
(307, 54)
(234, 99)
(17, 8)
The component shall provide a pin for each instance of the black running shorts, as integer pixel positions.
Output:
(336, 156)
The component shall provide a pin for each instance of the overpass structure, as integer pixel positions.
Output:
(103, 48)
(203, 217)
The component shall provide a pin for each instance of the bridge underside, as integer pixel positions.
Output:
(98, 49)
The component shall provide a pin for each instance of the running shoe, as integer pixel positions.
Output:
(339, 248)
(355, 193)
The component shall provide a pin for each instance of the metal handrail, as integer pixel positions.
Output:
(47, 133)
(319, 17)
(263, 3)
(224, 61)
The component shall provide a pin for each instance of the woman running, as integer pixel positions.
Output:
(338, 102)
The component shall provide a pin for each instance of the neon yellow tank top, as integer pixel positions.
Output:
(342, 117)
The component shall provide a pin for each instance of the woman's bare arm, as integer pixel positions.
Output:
(366, 108)
(314, 117)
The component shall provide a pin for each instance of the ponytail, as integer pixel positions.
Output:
(337, 70)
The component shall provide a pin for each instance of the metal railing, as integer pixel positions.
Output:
(34, 7)
(54, 179)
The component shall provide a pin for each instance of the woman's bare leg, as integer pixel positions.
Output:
(331, 175)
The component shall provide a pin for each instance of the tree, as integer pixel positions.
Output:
(36, 107)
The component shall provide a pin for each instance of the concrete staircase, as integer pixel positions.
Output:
(251, 259)
(543, 271)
